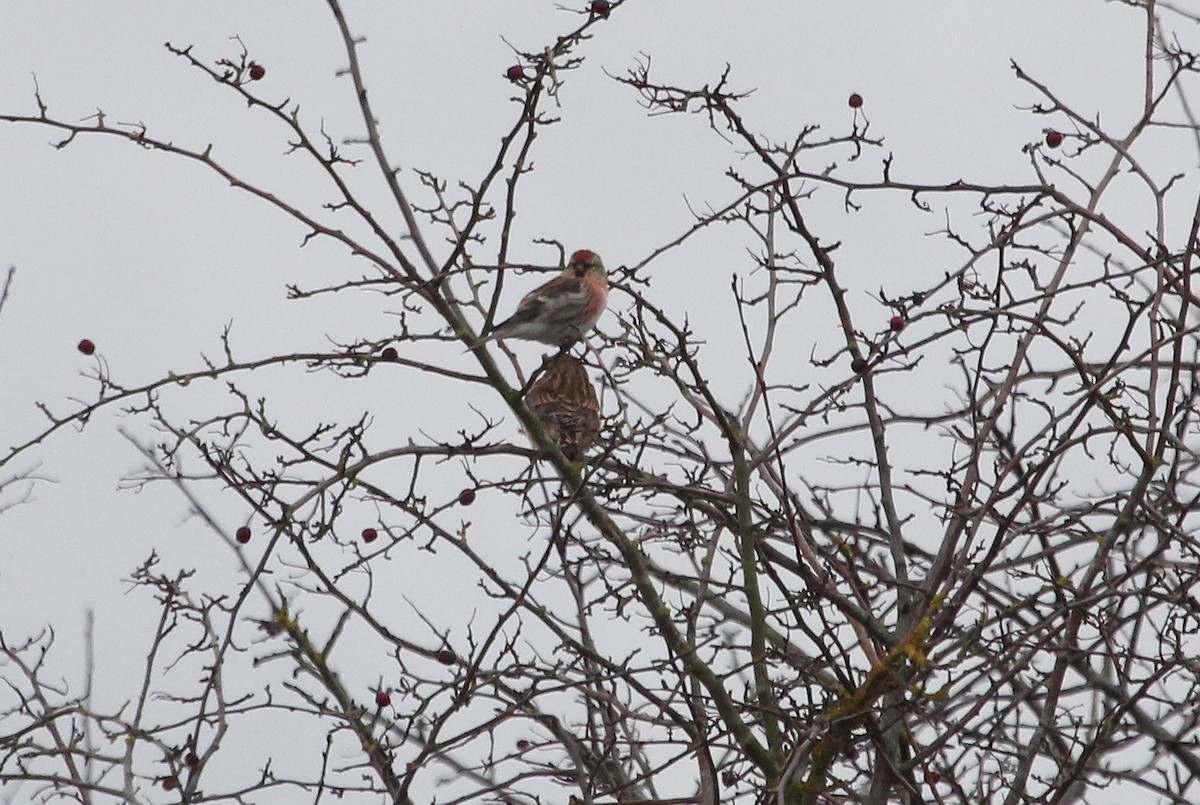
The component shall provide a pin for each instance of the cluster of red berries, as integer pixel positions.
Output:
(369, 535)
(1054, 138)
(600, 8)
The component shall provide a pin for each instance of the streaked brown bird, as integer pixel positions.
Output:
(565, 401)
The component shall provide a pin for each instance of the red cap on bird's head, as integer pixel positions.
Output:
(584, 256)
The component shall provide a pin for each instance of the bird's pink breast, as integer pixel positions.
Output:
(597, 299)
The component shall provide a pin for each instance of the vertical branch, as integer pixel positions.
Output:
(8, 278)
(747, 537)
(386, 169)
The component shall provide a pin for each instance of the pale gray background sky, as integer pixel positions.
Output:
(150, 257)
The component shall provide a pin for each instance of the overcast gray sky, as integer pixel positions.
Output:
(151, 257)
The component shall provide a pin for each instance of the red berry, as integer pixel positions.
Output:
(855, 101)
(192, 759)
(243, 534)
(382, 699)
(1054, 138)
(446, 657)
(515, 73)
(601, 7)
(466, 497)
(897, 323)
(933, 777)
(728, 777)
(257, 71)
(388, 354)
(86, 347)
(522, 744)
(170, 782)
(858, 365)
(369, 534)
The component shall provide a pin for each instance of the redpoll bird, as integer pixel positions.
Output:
(565, 402)
(563, 310)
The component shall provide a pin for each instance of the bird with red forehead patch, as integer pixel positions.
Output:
(565, 309)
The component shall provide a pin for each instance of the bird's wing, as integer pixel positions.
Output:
(540, 303)
(559, 291)
(528, 310)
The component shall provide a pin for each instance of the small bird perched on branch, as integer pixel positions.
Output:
(565, 401)
(563, 310)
